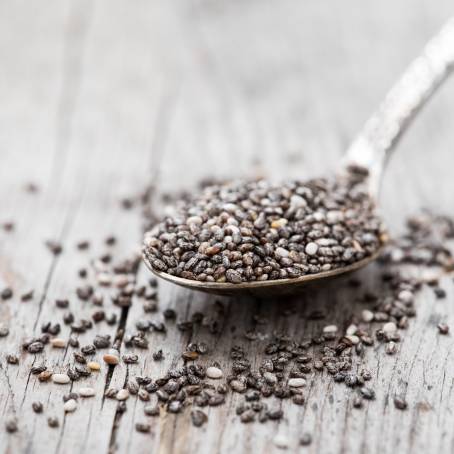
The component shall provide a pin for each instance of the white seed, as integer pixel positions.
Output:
(330, 329)
(104, 279)
(353, 339)
(389, 328)
(61, 379)
(297, 201)
(296, 382)
(335, 216)
(281, 252)
(351, 330)
(214, 372)
(121, 280)
(311, 248)
(391, 348)
(367, 315)
(70, 406)
(58, 342)
(86, 392)
(280, 441)
(123, 394)
(194, 220)
(406, 296)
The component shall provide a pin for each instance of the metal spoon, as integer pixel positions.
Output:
(370, 150)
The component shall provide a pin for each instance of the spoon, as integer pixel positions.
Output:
(370, 151)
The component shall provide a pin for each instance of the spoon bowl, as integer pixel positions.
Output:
(368, 154)
(278, 287)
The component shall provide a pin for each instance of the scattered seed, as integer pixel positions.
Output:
(198, 417)
(214, 373)
(37, 407)
(61, 379)
(389, 328)
(296, 382)
(400, 403)
(151, 410)
(70, 406)
(280, 440)
(6, 293)
(53, 422)
(306, 439)
(93, 365)
(143, 427)
(54, 246)
(45, 375)
(11, 424)
(443, 328)
(57, 342)
(367, 393)
(111, 359)
(123, 394)
(27, 296)
(86, 392)
(391, 348)
(12, 359)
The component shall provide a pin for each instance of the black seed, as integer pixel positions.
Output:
(37, 407)
(53, 422)
(400, 402)
(198, 417)
(6, 293)
(143, 427)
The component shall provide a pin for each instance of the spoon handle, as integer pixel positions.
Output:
(372, 147)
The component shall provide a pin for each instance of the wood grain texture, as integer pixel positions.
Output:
(99, 98)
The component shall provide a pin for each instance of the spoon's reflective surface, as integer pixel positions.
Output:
(370, 151)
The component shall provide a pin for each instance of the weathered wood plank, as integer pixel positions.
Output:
(98, 97)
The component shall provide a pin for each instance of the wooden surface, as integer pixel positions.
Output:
(97, 98)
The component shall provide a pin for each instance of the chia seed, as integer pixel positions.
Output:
(254, 231)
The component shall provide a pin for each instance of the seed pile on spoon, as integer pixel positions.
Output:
(257, 231)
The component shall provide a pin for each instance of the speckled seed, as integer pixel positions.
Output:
(280, 441)
(270, 378)
(214, 373)
(123, 394)
(296, 382)
(61, 379)
(93, 365)
(311, 248)
(57, 342)
(86, 392)
(238, 386)
(70, 406)
(151, 410)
